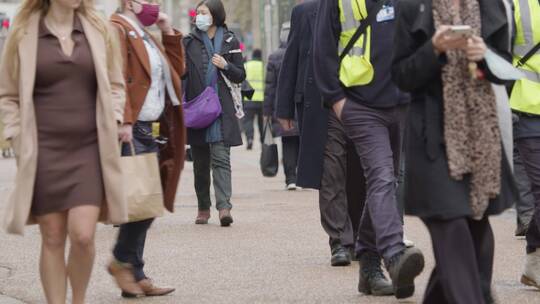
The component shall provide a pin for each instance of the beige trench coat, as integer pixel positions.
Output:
(17, 114)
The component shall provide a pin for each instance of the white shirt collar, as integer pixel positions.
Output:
(135, 25)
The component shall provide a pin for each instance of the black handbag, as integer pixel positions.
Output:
(269, 154)
(247, 90)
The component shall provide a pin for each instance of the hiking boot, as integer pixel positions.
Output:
(403, 268)
(340, 256)
(372, 280)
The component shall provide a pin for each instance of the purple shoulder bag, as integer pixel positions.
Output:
(203, 110)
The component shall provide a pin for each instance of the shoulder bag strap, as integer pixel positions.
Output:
(528, 56)
(372, 14)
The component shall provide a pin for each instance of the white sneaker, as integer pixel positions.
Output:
(531, 275)
(291, 187)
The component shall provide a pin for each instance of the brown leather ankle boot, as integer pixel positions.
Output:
(202, 217)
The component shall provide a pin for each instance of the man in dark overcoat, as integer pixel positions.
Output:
(328, 161)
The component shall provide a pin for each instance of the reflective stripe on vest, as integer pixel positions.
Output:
(526, 92)
(356, 68)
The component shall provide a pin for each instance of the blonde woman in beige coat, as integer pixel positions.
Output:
(61, 99)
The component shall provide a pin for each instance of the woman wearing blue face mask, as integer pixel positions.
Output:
(213, 54)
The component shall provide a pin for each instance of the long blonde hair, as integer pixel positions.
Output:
(30, 7)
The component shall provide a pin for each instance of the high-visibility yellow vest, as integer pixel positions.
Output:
(526, 93)
(255, 77)
(356, 68)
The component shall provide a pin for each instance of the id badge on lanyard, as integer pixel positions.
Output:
(387, 13)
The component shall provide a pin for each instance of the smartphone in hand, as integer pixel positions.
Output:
(460, 31)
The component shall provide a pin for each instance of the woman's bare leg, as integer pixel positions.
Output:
(52, 266)
(81, 230)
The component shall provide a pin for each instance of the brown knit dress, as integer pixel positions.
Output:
(69, 169)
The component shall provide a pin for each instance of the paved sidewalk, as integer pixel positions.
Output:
(276, 252)
(8, 300)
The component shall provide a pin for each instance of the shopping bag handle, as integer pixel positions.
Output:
(131, 145)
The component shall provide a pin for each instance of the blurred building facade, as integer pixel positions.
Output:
(257, 22)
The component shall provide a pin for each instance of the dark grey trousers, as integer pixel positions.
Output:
(216, 159)
(529, 149)
(464, 251)
(340, 197)
(291, 147)
(526, 204)
(377, 136)
(253, 111)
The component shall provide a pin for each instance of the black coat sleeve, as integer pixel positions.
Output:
(235, 72)
(325, 52)
(270, 86)
(289, 69)
(415, 63)
(498, 42)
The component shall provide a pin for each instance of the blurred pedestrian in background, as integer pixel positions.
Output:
(254, 107)
(213, 51)
(153, 123)
(63, 128)
(289, 138)
(457, 172)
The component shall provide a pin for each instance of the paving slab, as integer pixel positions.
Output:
(275, 252)
(8, 300)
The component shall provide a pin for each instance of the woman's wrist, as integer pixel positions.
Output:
(436, 48)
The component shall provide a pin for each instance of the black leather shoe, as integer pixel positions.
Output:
(372, 280)
(354, 256)
(340, 256)
(403, 268)
(521, 229)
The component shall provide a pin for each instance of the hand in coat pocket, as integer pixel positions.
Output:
(338, 107)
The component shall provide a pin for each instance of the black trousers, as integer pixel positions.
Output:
(529, 149)
(131, 239)
(341, 196)
(464, 251)
(526, 204)
(255, 109)
(291, 147)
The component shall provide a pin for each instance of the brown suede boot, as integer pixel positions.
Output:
(124, 278)
(150, 290)
(225, 217)
(202, 217)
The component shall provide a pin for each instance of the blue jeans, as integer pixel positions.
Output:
(129, 246)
